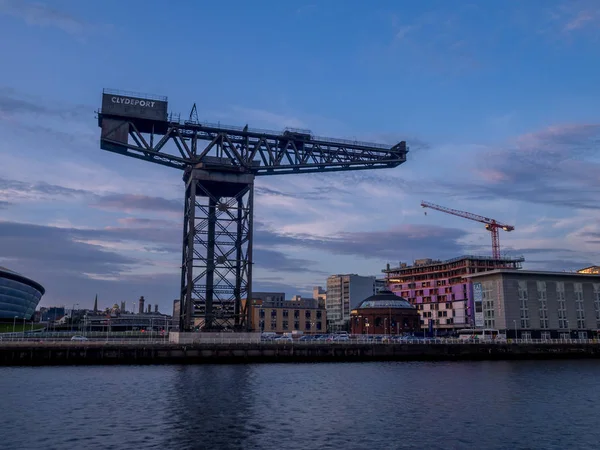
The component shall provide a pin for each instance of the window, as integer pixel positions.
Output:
(273, 313)
(523, 305)
(597, 303)
(319, 325)
(542, 300)
(526, 335)
(285, 324)
(261, 313)
(488, 306)
(273, 325)
(579, 305)
(582, 335)
(563, 323)
(296, 325)
(296, 314)
(546, 335)
(307, 314)
(261, 325)
(319, 314)
(285, 313)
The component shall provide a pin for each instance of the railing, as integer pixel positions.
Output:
(176, 118)
(20, 341)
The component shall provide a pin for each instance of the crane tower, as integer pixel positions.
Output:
(491, 225)
(219, 165)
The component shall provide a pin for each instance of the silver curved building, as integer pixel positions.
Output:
(19, 296)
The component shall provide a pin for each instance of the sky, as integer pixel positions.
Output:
(498, 103)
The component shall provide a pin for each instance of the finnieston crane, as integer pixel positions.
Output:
(216, 266)
(492, 225)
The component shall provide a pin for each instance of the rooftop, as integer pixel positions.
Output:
(385, 299)
(531, 272)
(425, 262)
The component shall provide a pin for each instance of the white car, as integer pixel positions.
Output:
(79, 338)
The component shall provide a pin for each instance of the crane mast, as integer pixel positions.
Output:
(492, 225)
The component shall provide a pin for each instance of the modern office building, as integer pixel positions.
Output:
(384, 313)
(344, 293)
(19, 295)
(538, 305)
(440, 290)
(290, 315)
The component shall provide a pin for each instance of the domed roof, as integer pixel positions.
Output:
(385, 299)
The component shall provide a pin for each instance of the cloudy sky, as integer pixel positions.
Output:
(498, 102)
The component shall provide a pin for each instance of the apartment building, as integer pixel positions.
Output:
(299, 314)
(440, 289)
(538, 305)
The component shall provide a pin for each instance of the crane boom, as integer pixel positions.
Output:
(491, 225)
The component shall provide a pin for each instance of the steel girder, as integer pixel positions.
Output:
(220, 163)
(249, 151)
(217, 251)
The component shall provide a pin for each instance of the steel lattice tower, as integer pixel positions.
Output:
(216, 265)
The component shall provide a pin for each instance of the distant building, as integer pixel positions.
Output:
(320, 294)
(176, 313)
(269, 296)
(52, 314)
(288, 315)
(19, 295)
(344, 293)
(384, 313)
(440, 290)
(538, 305)
(590, 270)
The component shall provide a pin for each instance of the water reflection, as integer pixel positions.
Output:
(211, 407)
(491, 405)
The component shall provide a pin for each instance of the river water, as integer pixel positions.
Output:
(482, 405)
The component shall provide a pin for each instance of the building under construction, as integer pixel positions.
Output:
(439, 289)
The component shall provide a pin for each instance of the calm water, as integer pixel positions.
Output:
(493, 405)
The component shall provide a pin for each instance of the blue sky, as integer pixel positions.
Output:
(497, 101)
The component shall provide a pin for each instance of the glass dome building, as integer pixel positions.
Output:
(19, 296)
(384, 313)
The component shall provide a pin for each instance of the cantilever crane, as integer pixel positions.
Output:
(490, 224)
(219, 164)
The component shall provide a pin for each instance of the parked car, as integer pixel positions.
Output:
(79, 338)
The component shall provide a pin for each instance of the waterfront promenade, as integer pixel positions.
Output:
(232, 350)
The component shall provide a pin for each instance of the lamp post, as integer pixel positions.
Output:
(14, 325)
(515, 322)
(73, 314)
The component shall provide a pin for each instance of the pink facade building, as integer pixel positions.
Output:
(439, 290)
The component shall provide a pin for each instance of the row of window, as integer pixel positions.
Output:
(285, 313)
(308, 326)
(562, 307)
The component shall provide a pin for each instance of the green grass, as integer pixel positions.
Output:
(8, 327)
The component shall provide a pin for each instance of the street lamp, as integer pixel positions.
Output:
(14, 326)
(72, 314)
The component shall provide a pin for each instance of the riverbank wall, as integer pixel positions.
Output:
(110, 353)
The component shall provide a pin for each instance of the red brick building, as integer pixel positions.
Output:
(384, 313)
